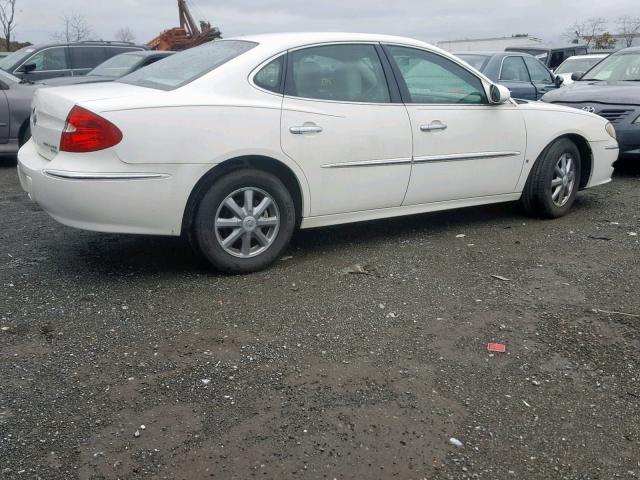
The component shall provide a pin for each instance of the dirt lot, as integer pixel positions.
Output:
(307, 371)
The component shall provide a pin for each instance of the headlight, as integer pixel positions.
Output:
(610, 130)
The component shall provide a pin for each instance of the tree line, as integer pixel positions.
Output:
(595, 33)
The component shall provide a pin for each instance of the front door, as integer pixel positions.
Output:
(540, 76)
(463, 147)
(50, 62)
(340, 126)
(515, 76)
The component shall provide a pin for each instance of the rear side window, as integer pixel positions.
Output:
(86, 57)
(270, 76)
(49, 59)
(344, 73)
(184, 67)
(514, 70)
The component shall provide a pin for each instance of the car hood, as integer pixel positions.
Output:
(619, 93)
(53, 82)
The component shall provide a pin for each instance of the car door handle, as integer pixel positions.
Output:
(433, 126)
(305, 129)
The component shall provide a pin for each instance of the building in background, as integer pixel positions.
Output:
(497, 44)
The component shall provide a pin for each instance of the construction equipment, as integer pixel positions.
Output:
(187, 35)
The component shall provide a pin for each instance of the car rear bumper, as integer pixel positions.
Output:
(120, 201)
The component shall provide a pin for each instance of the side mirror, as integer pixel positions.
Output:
(27, 68)
(558, 80)
(575, 76)
(499, 94)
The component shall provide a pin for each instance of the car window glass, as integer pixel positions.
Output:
(617, 67)
(514, 70)
(538, 72)
(270, 76)
(86, 57)
(49, 59)
(556, 59)
(347, 73)
(116, 66)
(476, 61)
(431, 78)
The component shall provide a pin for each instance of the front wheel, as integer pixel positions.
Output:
(244, 221)
(554, 181)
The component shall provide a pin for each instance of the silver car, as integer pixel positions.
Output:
(15, 105)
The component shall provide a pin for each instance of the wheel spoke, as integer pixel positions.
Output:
(248, 201)
(231, 239)
(556, 193)
(246, 243)
(556, 181)
(262, 206)
(228, 223)
(559, 171)
(563, 162)
(569, 165)
(267, 221)
(231, 204)
(572, 176)
(262, 238)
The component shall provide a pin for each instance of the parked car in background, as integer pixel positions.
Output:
(611, 89)
(238, 142)
(15, 108)
(552, 57)
(525, 76)
(112, 69)
(38, 62)
(578, 65)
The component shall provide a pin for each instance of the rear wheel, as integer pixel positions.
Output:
(553, 183)
(244, 221)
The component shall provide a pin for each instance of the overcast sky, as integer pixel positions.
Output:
(430, 20)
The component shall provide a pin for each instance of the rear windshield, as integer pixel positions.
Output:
(184, 67)
(476, 61)
(116, 66)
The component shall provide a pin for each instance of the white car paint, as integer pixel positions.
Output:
(370, 160)
(566, 77)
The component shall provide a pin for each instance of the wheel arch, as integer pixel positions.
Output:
(260, 162)
(586, 156)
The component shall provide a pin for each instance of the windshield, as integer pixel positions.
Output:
(184, 67)
(618, 67)
(476, 61)
(573, 65)
(116, 66)
(10, 60)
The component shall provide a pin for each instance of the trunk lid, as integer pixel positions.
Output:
(51, 106)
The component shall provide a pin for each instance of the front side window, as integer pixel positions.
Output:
(538, 72)
(270, 76)
(430, 78)
(86, 57)
(49, 59)
(514, 70)
(184, 67)
(345, 73)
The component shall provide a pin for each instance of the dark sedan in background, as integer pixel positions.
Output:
(112, 69)
(611, 89)
(523, 74)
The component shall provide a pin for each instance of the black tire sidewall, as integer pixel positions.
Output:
(204, 234)
(551, 157)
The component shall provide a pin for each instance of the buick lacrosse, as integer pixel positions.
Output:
(237, 143)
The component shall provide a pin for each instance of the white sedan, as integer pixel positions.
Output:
(238, 142)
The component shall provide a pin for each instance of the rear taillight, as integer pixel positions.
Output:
(87, 132)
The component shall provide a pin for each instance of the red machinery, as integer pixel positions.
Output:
(187, 35)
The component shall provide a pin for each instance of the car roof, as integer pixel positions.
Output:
(495, 54)
(549, 47)
(591, 55)
(149, 53)
(294, 39)
(97, 43)
(629, 50)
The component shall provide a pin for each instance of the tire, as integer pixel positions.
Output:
(26, 135)
(543, 196)
(218, 221)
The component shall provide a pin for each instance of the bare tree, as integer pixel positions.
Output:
(7, 20)
(125, 34)
(629, 28)
(586, 30)
(74, 29)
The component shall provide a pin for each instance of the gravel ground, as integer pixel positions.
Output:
(122, 357)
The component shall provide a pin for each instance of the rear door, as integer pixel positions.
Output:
(515, 76)
(85, 58)
(541, 77)
(341, 125)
